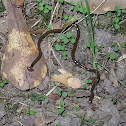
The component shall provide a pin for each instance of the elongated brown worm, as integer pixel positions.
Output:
(83, 66)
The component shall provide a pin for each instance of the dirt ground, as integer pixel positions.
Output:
(109, 104)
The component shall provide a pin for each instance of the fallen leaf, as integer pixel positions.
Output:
(67, 79)
(40, 121)
(111, 78)
(74, 82)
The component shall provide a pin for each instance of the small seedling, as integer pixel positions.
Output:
(123, 44)
(91, 120)
(64, 94)
(100, 48)
(31, 112)
(2, 84)
(63, 46)
(88, 81)
(44, 7)
(86, 87)
(58, 124)
(110, 56)
(77, 108)
(114, 101)
(59, 91)
(62, 109)
(116, 47)
(72, 94)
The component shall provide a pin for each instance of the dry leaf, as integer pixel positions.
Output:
(74, 82)
(41, 121)
(111, 78)
(67, 79)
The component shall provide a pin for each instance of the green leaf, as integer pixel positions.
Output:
(70, 17)
(61, 1)
(61, 110)
(46, 6)
(64, 55)
(72, 40)
(46, 11)
(72, 94)
(72, 2)
(39, 0)
(69, 34)
(50, 7)
(64, 114)
(88, 44)
(31, 112)
(41, 8)
(123, 10)
(84, 86)
(107, 55)
(116, 48)
(118, 13)
(2, 84)
(58, 47)
(5, 81)
(86, 81)
(109, 13)
(100, 47)
(77, 108)
(91, 120)
(112, 56)
(123, 45)
(89, 81)
(46, 3)
(59, 91)
(62, 36)
(88, 87)
(66, 17)
(58, 124)
(71, 7)
(117, 26)
(66, 40)
(62, 103)
(64, 94)
(116, 8)
(40, 4)
(115, 20)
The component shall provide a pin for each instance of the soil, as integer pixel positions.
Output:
(109, 104)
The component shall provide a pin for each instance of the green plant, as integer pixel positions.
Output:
(77, 108)
(110, 56)
(91, 120)
(116, 47)
(63, 45)
(58, 124)
(86, 87)
(2, 84)
(31, 112)
(72, 94)
(114, 100)
(62, 109)
(44, 7)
